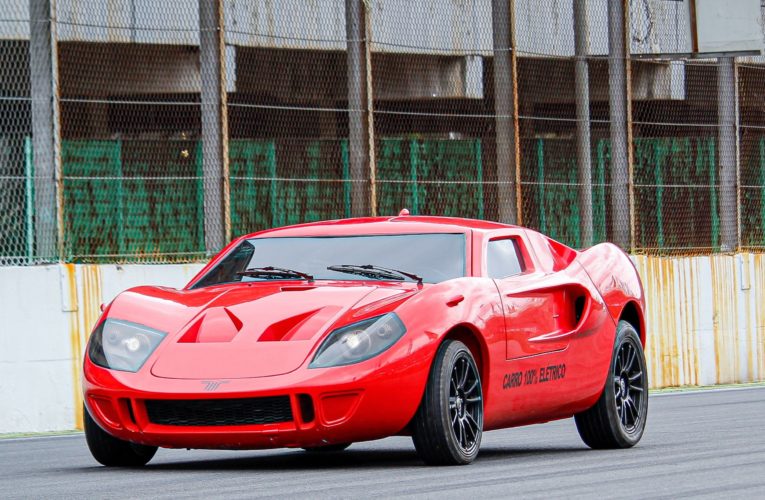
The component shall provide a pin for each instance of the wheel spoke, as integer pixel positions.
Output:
(635, 376)
(632, 411)
(632, 357)
(622, 360)
(462, 433)
(475, 399)
(635, 410)
(623, 413)
(472, 423)
(636, 388)
(473, 387)
(464, 375)
(472, 427)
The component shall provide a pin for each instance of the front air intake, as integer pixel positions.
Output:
(307, 412)
(219, 412)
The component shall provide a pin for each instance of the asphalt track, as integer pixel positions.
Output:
(703, 444)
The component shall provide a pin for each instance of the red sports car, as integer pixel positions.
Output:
(319, 335)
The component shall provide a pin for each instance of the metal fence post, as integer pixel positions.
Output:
(360, 119)
(370, 109)
(214, 110)
(504, 110)
(43, 68)
(726, 116)
(582, 89)
(617, 99)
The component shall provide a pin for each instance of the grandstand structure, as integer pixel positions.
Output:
(134, 130)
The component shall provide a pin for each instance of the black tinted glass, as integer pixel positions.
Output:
(435, 257)
(503, 258)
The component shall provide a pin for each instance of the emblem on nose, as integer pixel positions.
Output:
(213, 385)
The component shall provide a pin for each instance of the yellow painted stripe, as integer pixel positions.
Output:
(70, 282)
(81, 322)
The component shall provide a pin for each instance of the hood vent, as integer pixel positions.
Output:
(281, 330)
(216, 325)
(301, 326)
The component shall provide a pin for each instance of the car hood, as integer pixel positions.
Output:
(248, 330)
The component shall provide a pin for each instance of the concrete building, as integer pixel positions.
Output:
(130, 70)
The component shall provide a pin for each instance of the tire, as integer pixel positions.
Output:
(113, 452)
(330, 448)
(618, 419)
(448, 425)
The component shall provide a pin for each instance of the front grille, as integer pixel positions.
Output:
(216, 412)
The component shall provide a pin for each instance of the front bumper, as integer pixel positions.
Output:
(327, 406)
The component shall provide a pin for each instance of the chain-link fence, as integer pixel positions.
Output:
(133, 130)
(15, 129)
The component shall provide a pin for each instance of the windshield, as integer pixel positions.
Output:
(434, 257)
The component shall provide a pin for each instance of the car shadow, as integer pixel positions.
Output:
(348, 459)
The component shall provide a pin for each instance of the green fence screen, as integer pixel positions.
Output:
(433, 177)
(119, 204)
(752, 190)
(144, 201)
(551, 193)
(676, 193)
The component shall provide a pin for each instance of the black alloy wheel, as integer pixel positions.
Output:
(628, 377)
(618, 418)
(448, 425)
(466, 403)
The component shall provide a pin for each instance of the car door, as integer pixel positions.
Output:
(541, 308)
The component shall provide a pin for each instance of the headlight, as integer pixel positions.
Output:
(121, 345)
(359, 341)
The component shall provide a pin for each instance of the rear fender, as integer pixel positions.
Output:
(614, 275)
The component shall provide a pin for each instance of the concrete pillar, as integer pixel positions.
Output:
(212, 56)
(617, 100)
(582, 91)
(504, 109)
(726, 115)
(43, 69)
(360, 119)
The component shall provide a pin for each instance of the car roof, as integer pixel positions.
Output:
(384, 225)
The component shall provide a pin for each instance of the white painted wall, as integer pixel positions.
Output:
(705, 321)
(43, 332)
(36, 377)
(705, 318)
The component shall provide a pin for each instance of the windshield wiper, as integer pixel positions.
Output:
(276, 273)
(375, 272)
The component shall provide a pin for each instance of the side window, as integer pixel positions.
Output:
(503, 258)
